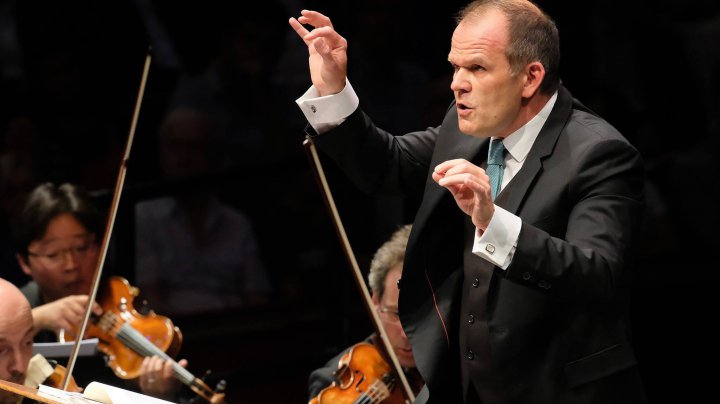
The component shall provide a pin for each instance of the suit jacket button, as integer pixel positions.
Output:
(476, 282)
(526, 276)
(544, 285)
(471, 319)
(470, 354)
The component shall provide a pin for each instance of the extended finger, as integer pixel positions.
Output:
(301, 31)
(456, 179)
(442, 168)
(314, 18)
(167, 370)
(145, 367)
(157, 364)
(324, 32)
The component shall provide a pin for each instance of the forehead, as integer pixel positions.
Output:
(63, 226)
(480, 34)
(15, 319)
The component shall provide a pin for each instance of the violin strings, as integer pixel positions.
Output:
(377, 392)
(138, 343)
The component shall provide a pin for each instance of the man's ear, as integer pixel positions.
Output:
(23, 264)
(534, 73)
(376, 299)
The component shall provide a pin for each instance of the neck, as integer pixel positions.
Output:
(529, 108)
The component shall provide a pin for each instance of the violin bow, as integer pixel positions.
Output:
(357, 274)
(110, 222)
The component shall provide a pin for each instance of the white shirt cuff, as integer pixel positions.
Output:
(499, 241)
(326, 112)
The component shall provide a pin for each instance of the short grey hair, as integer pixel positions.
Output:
(387, 256)
(533, 36)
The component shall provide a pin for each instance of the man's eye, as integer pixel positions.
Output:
(476, 68)
(52, 255)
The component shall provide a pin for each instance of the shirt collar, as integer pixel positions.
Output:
(519, 143)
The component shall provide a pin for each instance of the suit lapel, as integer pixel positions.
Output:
(516, 191)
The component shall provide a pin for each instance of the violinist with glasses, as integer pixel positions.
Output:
(56, 240)
(385, 271)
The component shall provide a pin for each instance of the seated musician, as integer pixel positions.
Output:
(385, 271)
(16, 338)
(56, 239)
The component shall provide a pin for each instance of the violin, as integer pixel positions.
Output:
(363, 376)
(58, 375)
(126, 337)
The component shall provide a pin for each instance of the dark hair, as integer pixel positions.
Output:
(533, 37)
(46, 202)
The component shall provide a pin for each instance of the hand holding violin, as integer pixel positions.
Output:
(157, 378)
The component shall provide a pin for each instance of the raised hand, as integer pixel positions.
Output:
(327, 49)
(470, 187)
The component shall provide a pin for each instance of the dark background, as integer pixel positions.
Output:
(70, 72)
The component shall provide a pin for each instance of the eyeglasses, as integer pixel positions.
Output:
(56, 258)
(392, 315)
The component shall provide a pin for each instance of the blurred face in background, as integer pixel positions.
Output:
(64, 260)
(186, 139)
(387, 305)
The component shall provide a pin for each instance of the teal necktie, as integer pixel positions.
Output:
(495, 165)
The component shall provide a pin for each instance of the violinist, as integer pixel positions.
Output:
(16, 338)
(16, 345)
(385, 271)
(56, 239)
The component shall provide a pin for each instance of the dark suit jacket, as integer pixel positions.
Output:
(557, 317)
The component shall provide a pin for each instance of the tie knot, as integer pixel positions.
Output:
(496, 154)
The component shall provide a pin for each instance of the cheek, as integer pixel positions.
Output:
(395, 333)
(45, 277)
(27, 352)
(89, 263)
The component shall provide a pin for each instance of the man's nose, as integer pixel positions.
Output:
(18, 365)
(71, 260)
(459, 82)
(402, 332)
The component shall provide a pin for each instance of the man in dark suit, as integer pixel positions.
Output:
(516, 279)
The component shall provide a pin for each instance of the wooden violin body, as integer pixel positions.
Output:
(363, 376)
(126, 337)
(58, 375)
(117, 328)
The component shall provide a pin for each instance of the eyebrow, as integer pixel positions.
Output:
(73, 236)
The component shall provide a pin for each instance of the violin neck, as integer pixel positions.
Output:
(134, 340)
